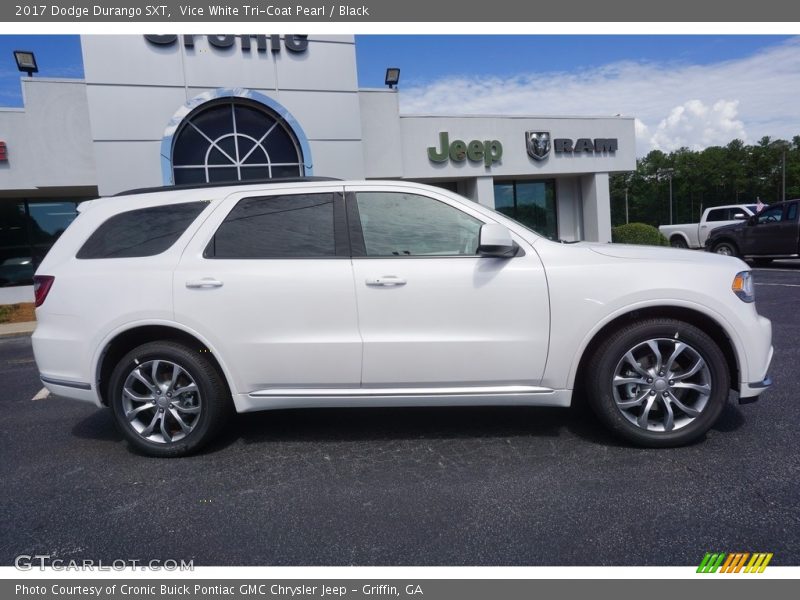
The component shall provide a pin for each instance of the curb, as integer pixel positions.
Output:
(16, 329)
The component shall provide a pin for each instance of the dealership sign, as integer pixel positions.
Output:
(538, 145)
(487, 151)
(293, 43)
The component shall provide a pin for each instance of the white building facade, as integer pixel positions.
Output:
(184, 109)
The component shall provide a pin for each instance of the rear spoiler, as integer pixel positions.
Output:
(85, 205)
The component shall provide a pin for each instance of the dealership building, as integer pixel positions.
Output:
(181, 109)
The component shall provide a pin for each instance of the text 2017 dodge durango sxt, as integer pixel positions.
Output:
(175, 307)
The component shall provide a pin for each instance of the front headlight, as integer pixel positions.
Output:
(742, 286)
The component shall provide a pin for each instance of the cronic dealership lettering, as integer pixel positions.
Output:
(292, 43)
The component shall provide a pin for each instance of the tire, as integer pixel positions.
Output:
(762, 262)
(726, 249)
(154, 429)
(678, 242)
(628, 421)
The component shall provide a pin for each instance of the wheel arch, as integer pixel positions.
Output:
(682, 236)
(717, 241)
(121, 342)
(701, 320)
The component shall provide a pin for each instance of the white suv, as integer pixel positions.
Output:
(174, 306)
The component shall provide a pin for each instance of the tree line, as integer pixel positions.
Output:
(738, 173)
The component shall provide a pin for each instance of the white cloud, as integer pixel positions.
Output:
(675, 104)
(697, 125)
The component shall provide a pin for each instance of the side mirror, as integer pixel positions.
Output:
(740, 216)
(495, 240)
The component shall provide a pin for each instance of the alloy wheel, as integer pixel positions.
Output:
(661, 385)
(161, 401)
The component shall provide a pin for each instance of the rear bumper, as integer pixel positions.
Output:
(76, 390)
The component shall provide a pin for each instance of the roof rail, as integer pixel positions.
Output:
(195, 186)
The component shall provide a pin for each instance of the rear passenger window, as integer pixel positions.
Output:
(791, 214)
(141, 232)
(291, 226)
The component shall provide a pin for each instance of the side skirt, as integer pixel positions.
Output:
(273, 399)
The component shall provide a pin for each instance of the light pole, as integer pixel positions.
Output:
(783, 145)
(626, 206)
(660, 174)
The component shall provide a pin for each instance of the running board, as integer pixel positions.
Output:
(511, 395)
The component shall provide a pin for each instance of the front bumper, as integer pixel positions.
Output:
(749, 392)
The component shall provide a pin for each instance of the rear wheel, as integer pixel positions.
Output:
(678, 242)
(658, 383)
(726, 249)
(168, 400)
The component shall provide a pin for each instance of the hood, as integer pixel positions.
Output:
(658, 253)
(734, 228)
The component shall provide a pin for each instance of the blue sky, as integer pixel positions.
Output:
(423, 59)
(683, 90)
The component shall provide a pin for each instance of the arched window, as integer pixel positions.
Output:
(234, 139)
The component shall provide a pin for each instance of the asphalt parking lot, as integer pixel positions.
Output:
(476, 486)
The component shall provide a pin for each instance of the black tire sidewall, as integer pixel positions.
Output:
(608, 355)
(206, 378)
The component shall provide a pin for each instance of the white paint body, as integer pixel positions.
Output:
(312, 332)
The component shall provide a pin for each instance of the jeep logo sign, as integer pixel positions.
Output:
(486, 151)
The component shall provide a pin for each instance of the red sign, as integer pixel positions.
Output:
(3, 152)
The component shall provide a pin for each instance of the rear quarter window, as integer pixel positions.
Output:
(141, 232)
(720, 214)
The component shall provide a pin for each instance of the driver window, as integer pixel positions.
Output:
(399, 224)
(770, 215)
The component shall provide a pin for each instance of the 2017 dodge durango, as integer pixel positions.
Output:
(175, 307)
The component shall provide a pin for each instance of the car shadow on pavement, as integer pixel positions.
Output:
(731, 419)
(789, 264)
(98, 426)
(392, 424)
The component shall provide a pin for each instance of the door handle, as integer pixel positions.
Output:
(205, 282)
(386, 281)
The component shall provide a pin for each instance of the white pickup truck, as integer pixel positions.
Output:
(693, 235)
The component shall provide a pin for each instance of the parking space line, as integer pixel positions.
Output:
(781, 284)
(41, 394)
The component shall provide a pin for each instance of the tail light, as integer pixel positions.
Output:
(41, 287)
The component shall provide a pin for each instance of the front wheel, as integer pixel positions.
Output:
(725, 248)
(168, 400)
(658, 383)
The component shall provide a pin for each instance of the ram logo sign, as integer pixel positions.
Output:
(599, 145)
(538, 144)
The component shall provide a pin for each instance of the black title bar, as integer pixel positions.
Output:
(444, 11)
